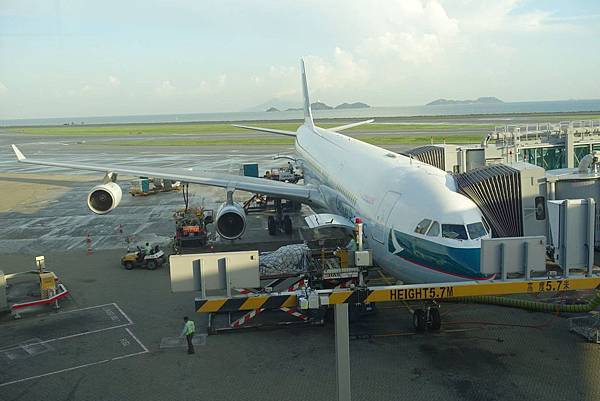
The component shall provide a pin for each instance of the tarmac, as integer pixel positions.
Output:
(114, 337)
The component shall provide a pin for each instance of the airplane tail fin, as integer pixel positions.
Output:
(308, 118)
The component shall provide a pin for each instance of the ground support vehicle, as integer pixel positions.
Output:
(139, 258)
(191, 228)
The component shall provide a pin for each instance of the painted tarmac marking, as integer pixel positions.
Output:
(26, 349)
(137, 339)
(111, 314)
(89, 307)
(85, 333)
(145, 351)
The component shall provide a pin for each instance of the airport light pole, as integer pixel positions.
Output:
(342, 352)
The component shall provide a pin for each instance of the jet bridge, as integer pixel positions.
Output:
(509, 196)
(552, 145)
(440, 156)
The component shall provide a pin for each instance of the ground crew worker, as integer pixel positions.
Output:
(147, 249)
(352, 245)
(188, 331)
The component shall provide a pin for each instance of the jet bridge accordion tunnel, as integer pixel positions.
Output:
(507, 195)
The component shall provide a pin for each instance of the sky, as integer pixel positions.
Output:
(61, 58)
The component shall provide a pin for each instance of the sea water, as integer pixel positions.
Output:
(406, 111)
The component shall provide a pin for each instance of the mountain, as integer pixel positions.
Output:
(355, 105)
(480, 100)
(278, 103)
(320, 106)
(274, 105)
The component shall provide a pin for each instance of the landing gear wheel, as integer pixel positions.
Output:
(435, 320)
(151, 265)
(271, 225)
(287, 225)
(419, 321)
(128, 265)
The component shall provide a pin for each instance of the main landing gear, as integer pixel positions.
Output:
(279, 221)
(427, 318)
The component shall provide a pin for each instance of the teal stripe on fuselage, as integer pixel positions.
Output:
(456, 261)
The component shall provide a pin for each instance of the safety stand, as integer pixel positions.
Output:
(342, 352)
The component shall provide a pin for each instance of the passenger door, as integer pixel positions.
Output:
(381, 217)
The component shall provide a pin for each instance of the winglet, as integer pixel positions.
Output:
(308, 118)
(18, 153)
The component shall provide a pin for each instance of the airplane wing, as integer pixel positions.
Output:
(269, 130)
(301, 193)
(343, 127)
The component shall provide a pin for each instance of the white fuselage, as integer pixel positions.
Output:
(392, 194)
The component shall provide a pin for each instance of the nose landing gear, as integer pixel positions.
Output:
(427, 318)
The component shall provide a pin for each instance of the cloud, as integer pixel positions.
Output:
(165, 88)
(412, 31)
(3, 89)
(211, 86)
(114, 81)
(221, 80)
(343, 70)
(339, 71)
(279, 71)
(503, 15)
(403, 46)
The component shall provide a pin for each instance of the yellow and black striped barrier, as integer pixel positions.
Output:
(421, 292)
(247, 302)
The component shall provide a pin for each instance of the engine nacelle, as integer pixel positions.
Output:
(231, 220)
(104, 198)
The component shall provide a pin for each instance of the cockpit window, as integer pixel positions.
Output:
(454, 231)
(476, 230)
(423, 226)
(434, 230)
(487, 226)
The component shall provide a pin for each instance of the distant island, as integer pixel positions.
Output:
(484, 100)
(355, 105)
(320, 106)
(324, 106)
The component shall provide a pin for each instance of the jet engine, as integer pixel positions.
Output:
(104, 198)
(231, 220)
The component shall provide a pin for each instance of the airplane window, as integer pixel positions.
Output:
(454, 231)
(476, 230)
(423, 226)
(487, 226)
(434, 230)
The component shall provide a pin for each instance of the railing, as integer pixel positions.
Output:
(514, 133)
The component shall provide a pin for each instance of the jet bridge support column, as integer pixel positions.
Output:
(342, 352)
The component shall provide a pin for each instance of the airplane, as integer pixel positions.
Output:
(419, 228)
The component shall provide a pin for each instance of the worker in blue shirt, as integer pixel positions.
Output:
(188, 331)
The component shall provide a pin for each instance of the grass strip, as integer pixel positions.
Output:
(220, 128)
(375, 140)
